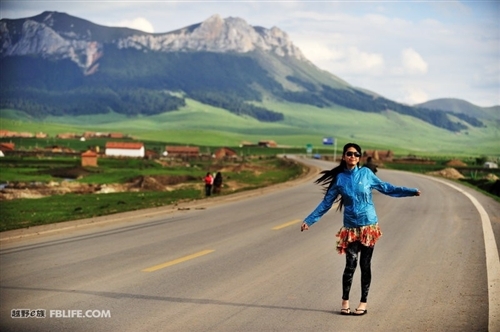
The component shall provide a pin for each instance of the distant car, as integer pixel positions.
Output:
(317, 156)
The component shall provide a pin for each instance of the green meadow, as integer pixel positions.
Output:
(203, 125)
(26, 212)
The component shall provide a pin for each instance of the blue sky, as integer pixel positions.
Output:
(407, 51)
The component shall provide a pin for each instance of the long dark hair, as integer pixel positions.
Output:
(328, 177)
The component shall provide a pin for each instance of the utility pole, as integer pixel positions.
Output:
(334, 149)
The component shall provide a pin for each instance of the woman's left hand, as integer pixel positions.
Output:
(304, 227)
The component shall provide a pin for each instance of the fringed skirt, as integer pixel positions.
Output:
(367, 235)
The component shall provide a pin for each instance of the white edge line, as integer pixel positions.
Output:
(492, 260)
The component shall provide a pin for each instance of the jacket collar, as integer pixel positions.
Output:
(351, 171)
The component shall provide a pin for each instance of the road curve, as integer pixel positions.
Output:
(243, 265)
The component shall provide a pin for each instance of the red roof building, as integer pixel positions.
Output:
(125, 149)
(182, 151)
(89, 158)
(7, 147)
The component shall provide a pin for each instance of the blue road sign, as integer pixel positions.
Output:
(328, 140)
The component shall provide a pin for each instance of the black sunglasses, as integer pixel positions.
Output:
(350, 154)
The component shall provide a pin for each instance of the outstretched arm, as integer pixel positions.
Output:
(391, 190)
(321, 209)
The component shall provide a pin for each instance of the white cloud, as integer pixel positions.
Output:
(343, 60)
(376, 20)
(138, 23)
(363, 62)
(412, 62)
(317, 51)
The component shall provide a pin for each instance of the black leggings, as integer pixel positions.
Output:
(351, 262)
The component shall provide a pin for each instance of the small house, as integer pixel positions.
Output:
(125, 149)
(182, 151)
(67, 136)
(116, 135)
(268, 144)
(89, 158)
(7, 147)
(490, 164)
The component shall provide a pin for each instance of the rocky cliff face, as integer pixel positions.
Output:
(218, 35)
(44, 37)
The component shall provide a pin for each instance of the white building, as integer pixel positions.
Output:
(490, 164)
(125, 149)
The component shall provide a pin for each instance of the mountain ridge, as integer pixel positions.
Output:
(64, 31)
(463, 106)
(55, 64)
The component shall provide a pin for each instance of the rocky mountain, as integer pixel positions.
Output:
(59, 36)
(57, 64)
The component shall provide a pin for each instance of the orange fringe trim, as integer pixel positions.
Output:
(367, 235)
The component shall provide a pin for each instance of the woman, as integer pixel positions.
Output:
(352, 186)
(371, 165)
(217, 183)
(209, 181)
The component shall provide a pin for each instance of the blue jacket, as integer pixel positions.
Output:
(355, 186)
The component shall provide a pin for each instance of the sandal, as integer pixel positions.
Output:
(345, 311)
(362, 312)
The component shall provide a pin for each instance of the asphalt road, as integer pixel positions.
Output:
(243, 265)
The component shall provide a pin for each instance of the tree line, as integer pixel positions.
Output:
(86, 101)
(236, 105)
(358, 100)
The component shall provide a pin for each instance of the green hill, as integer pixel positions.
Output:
(199, 124)
(464, 107)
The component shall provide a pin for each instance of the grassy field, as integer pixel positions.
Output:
(249, 173)
(210, 128)
(203, 125)
(478, 178)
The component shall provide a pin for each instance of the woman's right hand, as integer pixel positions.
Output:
(304, 227)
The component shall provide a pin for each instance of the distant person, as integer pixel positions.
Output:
(371, 165)
(352, 187)
(209, 181)
(217, 183)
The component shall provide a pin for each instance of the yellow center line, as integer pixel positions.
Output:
(177, 261)
(290, 223)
